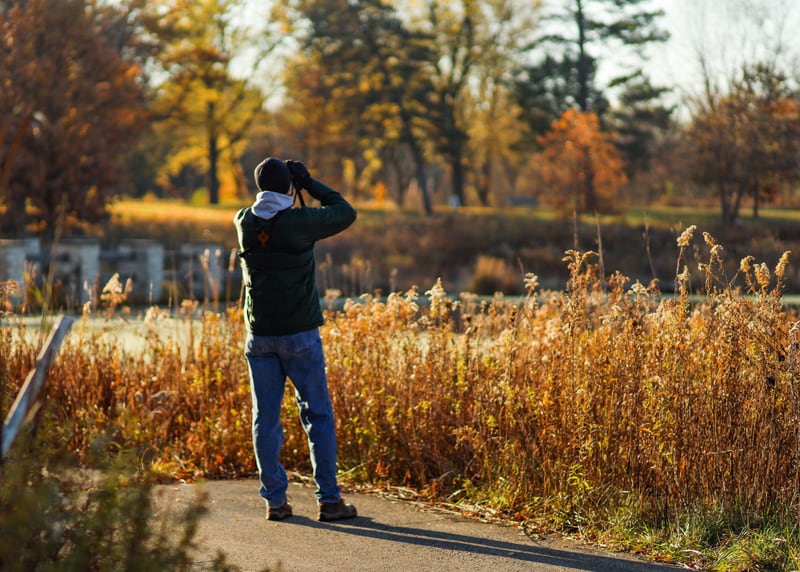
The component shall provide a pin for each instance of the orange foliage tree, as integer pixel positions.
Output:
(578, 167)
(70, 106)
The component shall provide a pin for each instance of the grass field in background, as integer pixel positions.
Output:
(148, 209)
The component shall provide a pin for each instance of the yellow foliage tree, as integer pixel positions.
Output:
(579, 167)
(204, 110)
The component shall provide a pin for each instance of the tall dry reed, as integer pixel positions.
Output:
(559, 403)
(587, 398)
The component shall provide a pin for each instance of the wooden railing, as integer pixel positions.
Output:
(24, 406)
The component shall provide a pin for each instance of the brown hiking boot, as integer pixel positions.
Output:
(329, 511)
(279, 513)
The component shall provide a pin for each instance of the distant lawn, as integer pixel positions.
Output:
(160, 210)
(483, 249)
(665, 216)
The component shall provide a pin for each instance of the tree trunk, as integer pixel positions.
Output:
(583, 60)
(484, 185)
(422, 183)
(589, 195)
(737, 202)
(402, 185)
(213, 157)
(455, 153)
(756, 197)
(418, 157)
(457, 181)
(421, 177)
(725, 202)
(213, 177)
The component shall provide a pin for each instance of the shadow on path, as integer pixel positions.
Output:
(366, 527)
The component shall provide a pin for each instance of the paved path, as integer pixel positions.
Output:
(387, 535)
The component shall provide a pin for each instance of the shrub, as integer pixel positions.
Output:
(59, 514)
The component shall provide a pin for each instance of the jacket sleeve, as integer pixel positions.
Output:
(335, 214)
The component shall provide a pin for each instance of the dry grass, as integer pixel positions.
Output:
(564, 406)
(585, 395)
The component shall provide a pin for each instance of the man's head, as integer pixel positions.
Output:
(273, 175)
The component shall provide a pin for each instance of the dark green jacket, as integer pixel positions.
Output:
(278, 266)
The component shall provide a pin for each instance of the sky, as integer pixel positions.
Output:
(728, 32)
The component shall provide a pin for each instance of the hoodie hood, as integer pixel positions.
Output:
(269, 203)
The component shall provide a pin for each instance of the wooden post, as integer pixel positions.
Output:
(29, 391)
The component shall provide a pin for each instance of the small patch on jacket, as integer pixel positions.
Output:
(263, 238)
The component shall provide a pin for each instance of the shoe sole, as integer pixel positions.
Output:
(332, 518)
(278, 517)
(279, 514)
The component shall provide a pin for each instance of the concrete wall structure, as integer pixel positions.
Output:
(201, 267)
(142, 261)
(77, 266)
(12, 260)
(81, 268)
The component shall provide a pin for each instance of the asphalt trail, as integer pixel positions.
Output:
(387, 535)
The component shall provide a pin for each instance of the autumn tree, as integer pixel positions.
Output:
(743, 138)
(642, 124)
(494, 133)
(459, 32)
(203, 107)
(406, 86)
(579, 168)
(575, 39)
(359, 85)
(747, 142)
(70, 106)
(491, 113)
(400, 111)
(364, 114)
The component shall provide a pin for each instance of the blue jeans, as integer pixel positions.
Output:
(299, 356)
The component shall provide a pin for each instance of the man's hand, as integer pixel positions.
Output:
(301, 178)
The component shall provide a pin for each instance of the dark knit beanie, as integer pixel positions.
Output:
(272, 175)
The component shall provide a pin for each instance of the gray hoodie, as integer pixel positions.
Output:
(268, 203)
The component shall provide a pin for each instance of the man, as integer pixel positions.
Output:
(283, 314)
